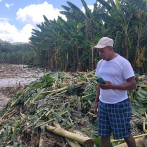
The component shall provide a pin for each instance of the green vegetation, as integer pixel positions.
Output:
(63, 98)
(17, 53)
(67, 45)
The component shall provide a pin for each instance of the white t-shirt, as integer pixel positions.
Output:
(116, 71)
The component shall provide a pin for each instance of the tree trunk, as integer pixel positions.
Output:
(86, 141)
(71, 142)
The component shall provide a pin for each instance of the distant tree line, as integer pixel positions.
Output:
(17, 53)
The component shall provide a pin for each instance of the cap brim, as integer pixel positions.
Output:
(99, 46)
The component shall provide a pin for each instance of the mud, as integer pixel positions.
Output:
(15, 77)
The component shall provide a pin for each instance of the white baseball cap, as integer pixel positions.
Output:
(103, 42)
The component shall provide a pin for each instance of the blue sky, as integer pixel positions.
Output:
(18, 17)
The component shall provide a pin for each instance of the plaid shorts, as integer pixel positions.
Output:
(115, 119)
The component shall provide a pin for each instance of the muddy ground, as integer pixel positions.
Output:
(14, 78)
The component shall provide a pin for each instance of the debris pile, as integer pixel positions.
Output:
(58, 103)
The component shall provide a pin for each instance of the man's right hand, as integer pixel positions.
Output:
(95, 107)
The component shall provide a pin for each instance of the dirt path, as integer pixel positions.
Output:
(16, 76)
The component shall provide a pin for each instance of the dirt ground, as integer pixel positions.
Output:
(14, 78)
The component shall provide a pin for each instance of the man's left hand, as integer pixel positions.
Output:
(108, 85)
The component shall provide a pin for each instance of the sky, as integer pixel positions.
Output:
(19, 17)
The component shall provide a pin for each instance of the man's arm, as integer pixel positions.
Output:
(129, 85)
(96, 99)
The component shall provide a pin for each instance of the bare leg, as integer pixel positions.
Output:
(105, 141)
(130, 141)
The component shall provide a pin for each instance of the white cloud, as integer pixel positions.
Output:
(10, 33)
(8, 5)
(33, 14)
(4, 19)
(0, 0)
(30, 16)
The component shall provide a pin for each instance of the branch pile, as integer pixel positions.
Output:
(65, 98)
(60, 97)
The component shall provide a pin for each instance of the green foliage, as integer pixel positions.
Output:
(97, 141)
(38, 85)
(17, 53)
(89, 96)
(45, 101)
(124, 21)
(139, 97)
(47, 80)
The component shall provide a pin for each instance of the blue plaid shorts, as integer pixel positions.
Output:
(115, 119)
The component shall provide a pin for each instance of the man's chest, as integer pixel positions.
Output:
(109, 70)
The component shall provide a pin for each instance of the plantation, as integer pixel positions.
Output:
(67, 45)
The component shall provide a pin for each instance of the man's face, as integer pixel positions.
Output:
(105, 53)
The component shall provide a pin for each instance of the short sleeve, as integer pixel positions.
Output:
(127, 70)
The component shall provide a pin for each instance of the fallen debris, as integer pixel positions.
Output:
(64, 98)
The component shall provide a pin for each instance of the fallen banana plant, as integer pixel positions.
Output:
(86, 141)
(72, 143)
(64, 98)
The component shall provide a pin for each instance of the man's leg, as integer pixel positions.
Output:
(130, 141)
(105, 141)
(104, 128)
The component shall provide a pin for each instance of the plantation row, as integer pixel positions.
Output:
(67, 45)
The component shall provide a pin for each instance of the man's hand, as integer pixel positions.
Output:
(129, 85)
(95, 107)
(108, 85)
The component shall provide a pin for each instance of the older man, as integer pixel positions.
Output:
(114, 109)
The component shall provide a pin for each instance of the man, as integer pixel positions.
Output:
(114, 110)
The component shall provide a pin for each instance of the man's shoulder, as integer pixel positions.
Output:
(122, 59)
(100, 61)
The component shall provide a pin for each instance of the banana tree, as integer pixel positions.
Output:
(89, 25)
(122, 27)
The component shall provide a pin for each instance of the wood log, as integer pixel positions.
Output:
(72, 143)
(86, 141)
